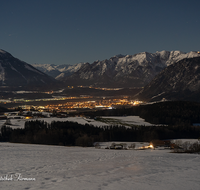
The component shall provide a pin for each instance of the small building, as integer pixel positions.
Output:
(118, 146)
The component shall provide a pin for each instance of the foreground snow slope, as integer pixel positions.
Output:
(72, 168)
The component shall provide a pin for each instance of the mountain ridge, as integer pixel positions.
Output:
(125, 71)
(16, 73)
(179, 81)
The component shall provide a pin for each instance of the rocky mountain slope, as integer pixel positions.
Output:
(15, 73)
(125, 71)
(179, 81)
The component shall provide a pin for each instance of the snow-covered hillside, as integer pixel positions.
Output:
(71, 168)
(120, 120)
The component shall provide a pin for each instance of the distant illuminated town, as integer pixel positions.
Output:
(109, 104)
(71, 103)
(61, 103)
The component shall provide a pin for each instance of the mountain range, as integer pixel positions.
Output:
(171, 75)
(58, 71)
(179, 81)
(118, 71)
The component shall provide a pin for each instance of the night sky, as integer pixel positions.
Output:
(73, 31)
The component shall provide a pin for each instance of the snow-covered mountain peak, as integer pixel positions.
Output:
(2, 51)
(178, 55)
(119, 55)
(163, 54)
(74, 68)
(177, 52)
(193, 54)
(58, 71)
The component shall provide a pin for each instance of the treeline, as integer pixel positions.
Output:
(170, 112)
(2, 109)
(74, 134)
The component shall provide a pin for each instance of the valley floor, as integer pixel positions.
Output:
(71, 168)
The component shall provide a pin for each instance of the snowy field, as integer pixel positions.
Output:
(76, 168)
(125, 121)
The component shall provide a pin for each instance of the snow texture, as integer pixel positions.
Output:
(58, 71)
(76, 168)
